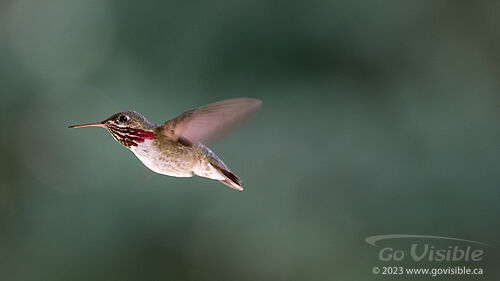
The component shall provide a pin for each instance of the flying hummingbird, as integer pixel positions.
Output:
(175, 148)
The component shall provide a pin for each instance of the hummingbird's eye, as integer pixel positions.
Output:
(123, 118)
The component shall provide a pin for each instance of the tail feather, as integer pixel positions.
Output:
(231, 180)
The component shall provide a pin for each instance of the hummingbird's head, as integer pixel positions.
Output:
(127, 127)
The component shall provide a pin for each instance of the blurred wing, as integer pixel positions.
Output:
(209, 121)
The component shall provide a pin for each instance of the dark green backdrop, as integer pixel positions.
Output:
(378, 118)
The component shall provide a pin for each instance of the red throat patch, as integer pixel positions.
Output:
(131, 137)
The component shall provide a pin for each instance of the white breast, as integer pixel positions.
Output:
(160, 162)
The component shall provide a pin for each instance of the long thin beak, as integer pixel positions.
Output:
(87, 125)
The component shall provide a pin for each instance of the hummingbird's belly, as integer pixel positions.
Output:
(169, 159)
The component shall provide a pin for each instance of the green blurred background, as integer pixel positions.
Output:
(378, 118)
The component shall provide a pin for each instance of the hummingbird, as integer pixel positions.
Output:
(175, 148)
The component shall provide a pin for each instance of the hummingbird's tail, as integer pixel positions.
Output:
(231, 180)
(218, 170)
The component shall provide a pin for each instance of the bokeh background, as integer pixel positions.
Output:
(378, 118)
